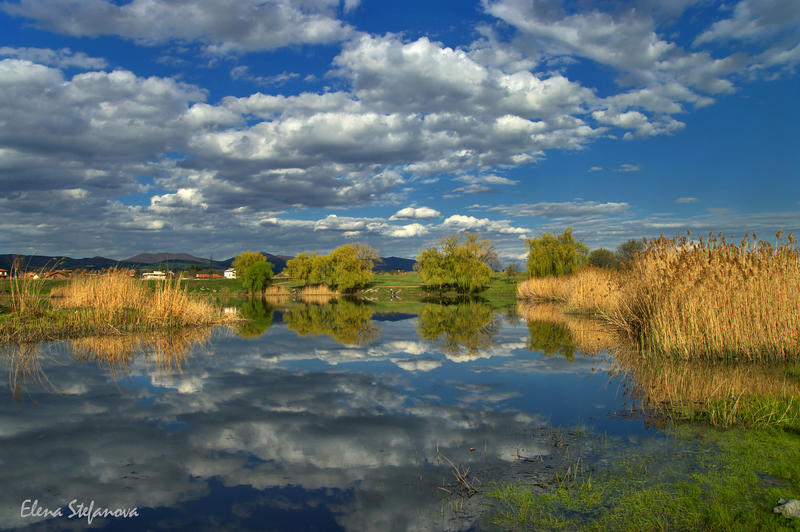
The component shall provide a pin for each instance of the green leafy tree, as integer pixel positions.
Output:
(555, 255)
(511, 270)
(483, 250)
(350, 267)
(603, 258)
(245, 259)
(254, 271)
(627, 250)
(457, 265)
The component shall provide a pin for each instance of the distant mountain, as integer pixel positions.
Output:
(155, 258)
(278, 261)
(390, 264)
(174, 261)
(35, 262)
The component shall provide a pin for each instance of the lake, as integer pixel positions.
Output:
(310, 418)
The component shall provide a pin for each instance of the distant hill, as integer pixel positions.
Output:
(390, 264)
(174, 261)
(155, 258)
(35, 262)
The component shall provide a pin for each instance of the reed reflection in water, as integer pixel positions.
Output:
(722, 393)
(554, 332)
(167, 350)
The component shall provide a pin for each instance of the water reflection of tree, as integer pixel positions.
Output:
(257, 314)
(467, 327)
(551, 339)
(348, 322)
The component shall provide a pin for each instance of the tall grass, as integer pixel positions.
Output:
(588, 290)
(714, 299)
(708, 299)
(116, 295)
(111, 303)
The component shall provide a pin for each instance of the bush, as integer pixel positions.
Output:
(603, 258)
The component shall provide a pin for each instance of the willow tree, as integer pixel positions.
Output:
(350, 267)
(253, 270)
(455, 264)
(556, 255)
(346, 268)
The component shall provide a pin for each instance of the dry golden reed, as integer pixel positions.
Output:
(714, 299)
(116, 296)
(588, 290)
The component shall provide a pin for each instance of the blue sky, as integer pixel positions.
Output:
(286, 126)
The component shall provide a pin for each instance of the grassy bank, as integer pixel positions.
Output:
(715, 480)
(98, 305)
(404, 292)
(709, 299)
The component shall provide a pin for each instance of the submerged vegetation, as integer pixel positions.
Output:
(723, 480)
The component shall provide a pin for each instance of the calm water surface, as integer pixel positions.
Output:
(316, 418)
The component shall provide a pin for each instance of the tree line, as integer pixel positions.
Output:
(464, 264)
(561, 254)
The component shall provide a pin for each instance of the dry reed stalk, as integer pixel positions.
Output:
(588, 290)
(277, 291)
(319, 290)
(113, 295)
(554, 288)
(714, 299)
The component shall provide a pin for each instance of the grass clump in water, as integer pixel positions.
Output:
(111, 303)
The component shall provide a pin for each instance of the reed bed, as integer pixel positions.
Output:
(111, 303)
(714, 299)
(588, 290)
(706, 299)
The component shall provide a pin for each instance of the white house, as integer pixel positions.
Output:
(230, 273)
(155, 275)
